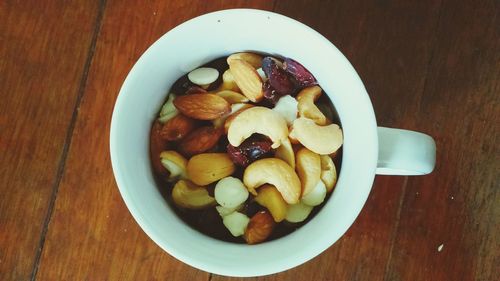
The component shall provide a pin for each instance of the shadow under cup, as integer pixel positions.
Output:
(199, 41)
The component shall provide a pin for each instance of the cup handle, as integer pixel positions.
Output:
(404, 152)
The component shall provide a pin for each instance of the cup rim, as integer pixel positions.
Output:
(142, 219)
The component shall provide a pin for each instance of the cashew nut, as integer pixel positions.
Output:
(285, 152)
(308, 169)
(276, 172)
(306, 106)
(174, 163)
(298, 212)
(322, 140)
(261, 120)
(271, 198)
(328, 172)
(316, 196)
(188, 195)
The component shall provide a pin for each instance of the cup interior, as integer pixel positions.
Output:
(201, 40)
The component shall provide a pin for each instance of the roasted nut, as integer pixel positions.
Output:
(228, 82)
(156, 145)
(287, 107)
(236, 223)
(200, 140)
(177, 127)
(253, 59)
(306, 106)
(236, 107)
(203, 76)
(259, 120)
(285, 152)
(187, 195)
(247, 79)
(205, 168)
(232, 96)
(298, 212)
(276, 172)
(168, 109)
(316, 196)
(259, 228)
(230, 192)
(174, 163)
(202, 106)
(230, 118)
(322, 140)
(308, 169)
(328, 172)
(271, 198)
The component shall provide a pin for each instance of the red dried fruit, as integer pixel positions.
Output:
(250, 150)
(301, 75)
(278, 77)
(270, 93)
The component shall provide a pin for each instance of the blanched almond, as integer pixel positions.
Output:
(253, 59)
(206, 168)
(177, 127)
(228, 82)
(200, 140)
(203, 76)
(202, 106)
(232, 96)
(247, 79)
(259, 228)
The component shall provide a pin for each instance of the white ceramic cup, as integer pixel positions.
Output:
(367, 150)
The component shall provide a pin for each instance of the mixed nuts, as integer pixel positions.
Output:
(249, 155)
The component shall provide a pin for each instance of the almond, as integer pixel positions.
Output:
(177, 128)
(232, 96)
(206, 168)
(202, 106)
(259, 228)
(200, 140)
(247, 79)
(253, 59)
(156, 145)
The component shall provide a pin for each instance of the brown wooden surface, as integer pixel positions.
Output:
(431, 66)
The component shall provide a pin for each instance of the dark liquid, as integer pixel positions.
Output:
(208, 221)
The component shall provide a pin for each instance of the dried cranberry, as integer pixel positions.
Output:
(250, 150)
(270, 93)
(300, 74)
(278, 77)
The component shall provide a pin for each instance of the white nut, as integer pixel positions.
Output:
(230, 192)
(287, 107)
(203, 76)
(262, 74)
(316, 196)
(236, 223)
(298, 212)
(261, 120)
(168, 110)
(223, 211)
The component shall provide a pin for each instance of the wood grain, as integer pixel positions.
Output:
(43, 51)
(92, 236)
(381, 59)
(458, 205)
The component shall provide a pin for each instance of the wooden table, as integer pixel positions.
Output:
(431, 66)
